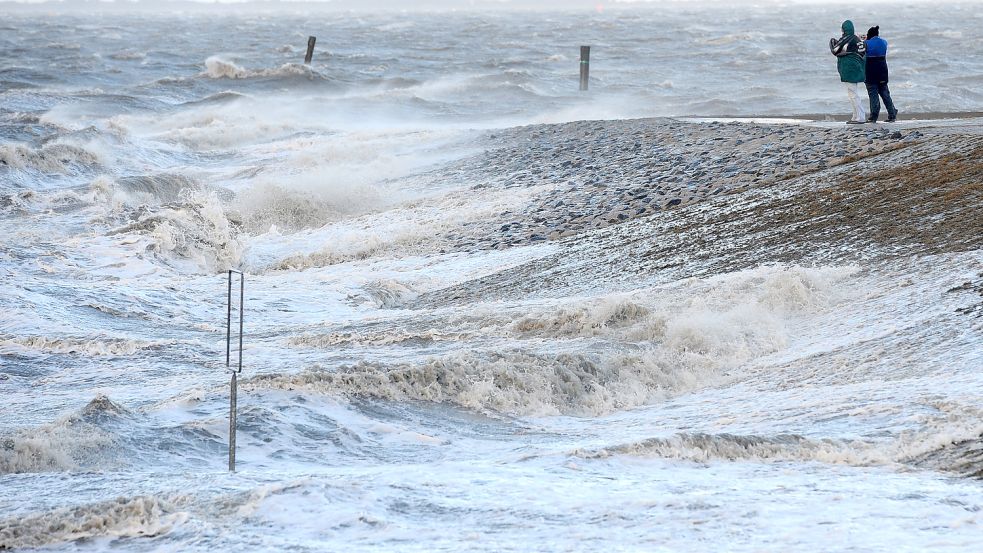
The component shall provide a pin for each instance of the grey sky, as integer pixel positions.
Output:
(426, 4)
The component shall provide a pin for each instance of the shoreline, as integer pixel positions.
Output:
(676, 199)
(906, 117)
(563, 183)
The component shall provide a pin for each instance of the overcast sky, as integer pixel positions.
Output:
(411, 4)
(395, 5)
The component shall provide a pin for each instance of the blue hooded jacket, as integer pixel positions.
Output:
(876, 47)
(876, 61)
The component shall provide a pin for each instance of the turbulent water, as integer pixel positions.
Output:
(779, 407)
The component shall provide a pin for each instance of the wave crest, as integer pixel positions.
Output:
(53, 157)
(122, 517)
(197, 230)
(701, 447)
(69, 443)
(218, 68)
(520, 383)
(74, 346)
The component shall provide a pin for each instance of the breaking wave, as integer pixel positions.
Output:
(672, 341)
(389, 293)
(269, 205)
(384, 338)
(69, 443)
(53, 157)
(218, 68)
(412, 228)
(521, 383)
(134, 196)
(122, 517)
(958, 450)
(746, 308)
(701, 447)
(74, 346)
(156, 188)
(585, 320)
(197, 230)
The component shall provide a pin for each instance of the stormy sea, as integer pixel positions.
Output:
(687, 309)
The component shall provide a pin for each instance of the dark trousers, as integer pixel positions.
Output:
(876, 91)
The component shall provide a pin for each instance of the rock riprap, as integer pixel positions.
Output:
(592, 174)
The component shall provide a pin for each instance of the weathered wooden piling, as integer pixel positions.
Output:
(310, 49)
(584, 66)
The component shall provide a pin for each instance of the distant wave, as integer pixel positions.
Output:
(217, 98)
(953, 449)
(218, 68)
(788, 447)
(24, 77)
(128, 56)
(51, 158)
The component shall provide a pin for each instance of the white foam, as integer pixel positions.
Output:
(76, 346)
(53, 157)
(62, 445)
(694, 335)
(123, 517)
(218, 68)
(197, 230)
(406, 230)
(928, 446)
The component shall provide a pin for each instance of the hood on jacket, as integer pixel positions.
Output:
(847, 28)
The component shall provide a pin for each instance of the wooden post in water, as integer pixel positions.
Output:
(310, 49)
(584, 66)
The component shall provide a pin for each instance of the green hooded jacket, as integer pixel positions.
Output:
(849, 52)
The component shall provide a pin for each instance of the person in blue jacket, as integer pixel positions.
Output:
(875, 76)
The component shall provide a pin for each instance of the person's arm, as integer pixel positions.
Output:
(839, 47)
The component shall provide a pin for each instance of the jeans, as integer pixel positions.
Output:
(880, 89)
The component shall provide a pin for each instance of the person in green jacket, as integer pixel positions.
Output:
(849, 51)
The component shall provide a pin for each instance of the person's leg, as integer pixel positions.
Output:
(885, 92)
(861, 109)
(858, 107)
(875, 103)
(849, 95)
